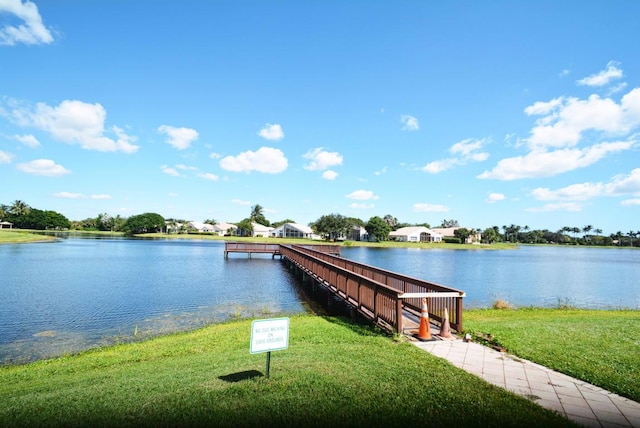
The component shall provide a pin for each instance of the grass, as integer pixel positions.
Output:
(333, 374)
(19, 236)
(599, 347)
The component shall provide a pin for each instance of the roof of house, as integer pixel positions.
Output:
(413, 230)
(302, 228)
(224, 226)
(257, 227)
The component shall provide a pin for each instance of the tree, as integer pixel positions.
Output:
(490, 235)
(257, 215)
(245, 227)
(143, 223)
(19, 208)
(331, 227)
(378, 228)
(4, 211)
(210, 221)
(41, 220)
(391, 221)
(463, 233)
(449, 223)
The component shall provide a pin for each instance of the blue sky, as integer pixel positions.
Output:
(490, 113)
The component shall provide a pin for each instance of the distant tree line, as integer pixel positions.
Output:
(330, 227)
(22, 216)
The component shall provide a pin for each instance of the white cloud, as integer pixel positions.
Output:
(75, 122)
(31, 31)
(382, 171)
(620, 185)
(564, 72)
(630, 202)
(5, 157)
(271, 132)
(465, 151)
(69, 195)
(429, 208)
(329, 175)
(186, 168)
(320, 159)
(241, 202)
(495, 197)
(541, 107)
(562, 206)
(178, 138)
(100, 197)
(436, 167)
(574, 192)
(44, 167)
(170, 171)
(28, 140)
(410, 123)
(547, 164)
(215, 155)
(603, 77)
(208, 176)
(361, 206)
(625, 185)
(265, 159)
(362, 195)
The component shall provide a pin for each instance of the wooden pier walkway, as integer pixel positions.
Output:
(387, 298)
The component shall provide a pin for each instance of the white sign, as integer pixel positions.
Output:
(269, 335)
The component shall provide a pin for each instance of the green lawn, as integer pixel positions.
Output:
(19, 236)
(600, 347)
(332, 374)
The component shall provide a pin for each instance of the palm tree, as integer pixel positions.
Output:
(586, 231)
(4, 210)
(631, 234)
(19, 208)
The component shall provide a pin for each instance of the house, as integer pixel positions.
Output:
(224, 229)
(261, 230)
(358, 233)
(449, 232)
(4, 224)
(199, 226)
(415, 234)
(293, 230)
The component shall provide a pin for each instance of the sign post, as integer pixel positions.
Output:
(269, 335)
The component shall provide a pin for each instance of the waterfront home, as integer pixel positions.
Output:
(449, 232)
(224, 229)
(415, 234)
(293, 230)
(199, 226)
(260, 230)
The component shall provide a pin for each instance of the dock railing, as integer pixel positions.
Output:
(411, 290)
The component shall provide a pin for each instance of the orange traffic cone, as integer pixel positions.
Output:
(424, 333)
(445, 328)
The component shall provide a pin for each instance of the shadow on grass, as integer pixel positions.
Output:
(240, 376)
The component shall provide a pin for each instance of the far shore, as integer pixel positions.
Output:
(23, 236)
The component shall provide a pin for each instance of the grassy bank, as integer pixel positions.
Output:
(18, 237)
(600, 347)
(333, 374)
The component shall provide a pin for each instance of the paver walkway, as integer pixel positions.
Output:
(579, 401)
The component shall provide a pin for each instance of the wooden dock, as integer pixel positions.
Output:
(387, 298)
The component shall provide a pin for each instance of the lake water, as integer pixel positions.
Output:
(74, 294)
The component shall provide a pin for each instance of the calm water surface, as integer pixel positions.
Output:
(592, 278)
(69, 295)
(78, 293)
